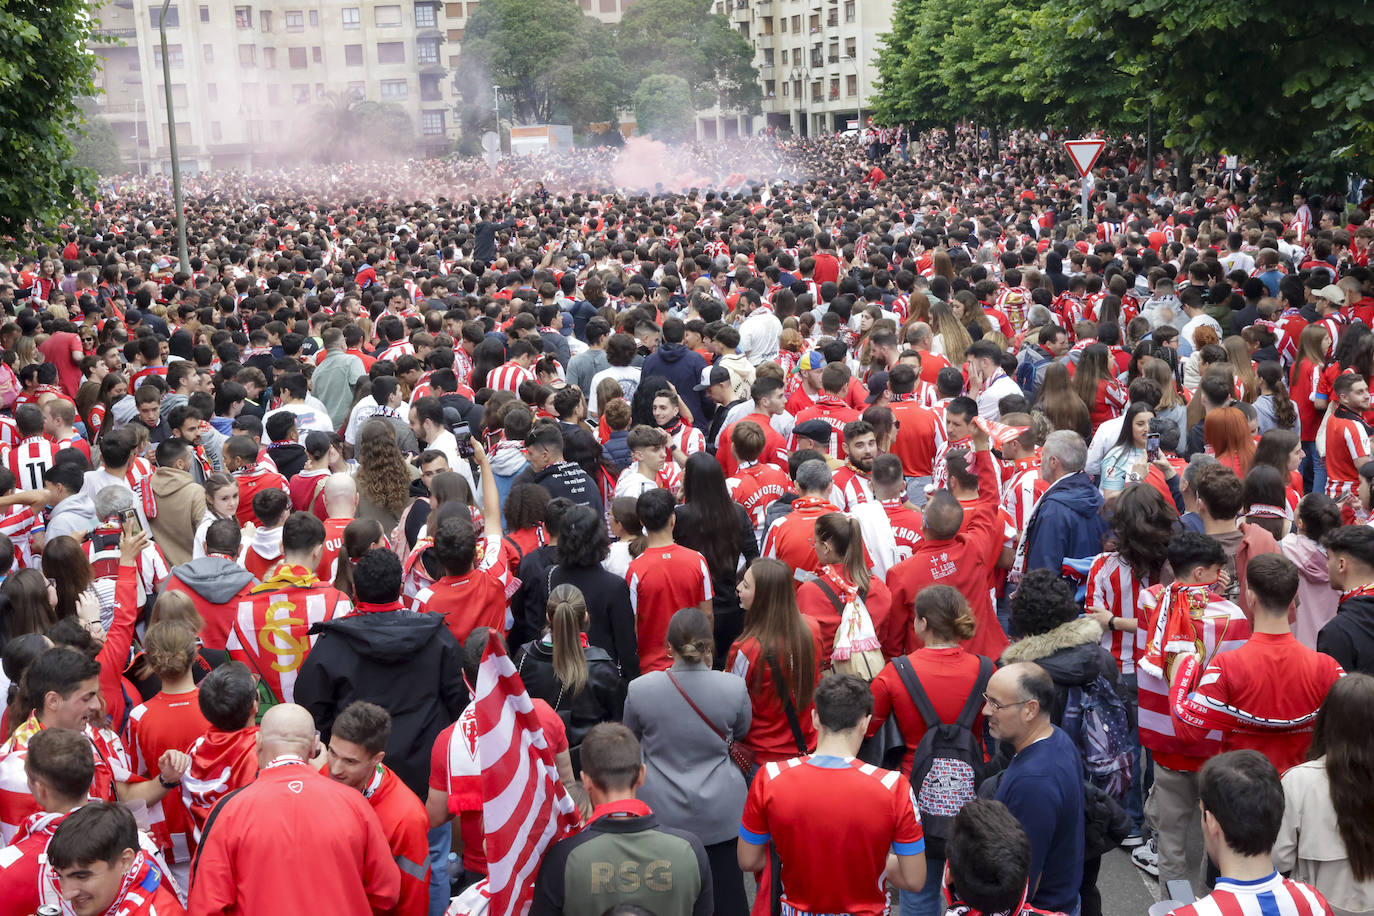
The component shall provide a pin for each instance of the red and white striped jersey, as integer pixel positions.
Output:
(688, 438)
(462, 365)
(140, 469)
(30, 460)
(1272, 896)
(508, 376)
(396, 351)
(19, 524)
(1113, 585)
(9, 432)
(1021, 488)
(854, 488)
(17, 802)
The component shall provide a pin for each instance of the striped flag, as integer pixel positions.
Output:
(525, 808)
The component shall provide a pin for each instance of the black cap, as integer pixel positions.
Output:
(877, 386)
(815, 430)
(712, 375)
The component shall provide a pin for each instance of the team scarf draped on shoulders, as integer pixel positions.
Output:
(1173, 631)
(140, 882)
(285, 574)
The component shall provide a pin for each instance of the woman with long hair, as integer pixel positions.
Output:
(685, 718)
(1281, 450)
(113, 387)
(1302, 387)
(1173, 405)
(778, 655)
(1276, 410)
(844, 570)
(221, 501)
(950, 338)
(486, 356)
(359, 536)
(1060, 403)
(952, 677)
(1095, 383)
(717, 527)
(579, 681)
(581, 545)
(1238, 355)
(1317, 515)
(1126, 462)
(29, 604)
(1326, 838)
(383, 475)
(69, 571)
(1228, 433)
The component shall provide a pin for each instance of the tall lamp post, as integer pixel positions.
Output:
(800, 78)
(172, 143)
(859, 91)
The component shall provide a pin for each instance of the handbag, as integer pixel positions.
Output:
(741, 756)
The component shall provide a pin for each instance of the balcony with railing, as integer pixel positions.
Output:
(120, 34)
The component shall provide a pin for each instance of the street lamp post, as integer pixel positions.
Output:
(172, 143)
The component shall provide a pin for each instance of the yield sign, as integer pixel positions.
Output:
(1084, 153)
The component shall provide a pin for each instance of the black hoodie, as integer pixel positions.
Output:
(410, 664)
(1349, 636)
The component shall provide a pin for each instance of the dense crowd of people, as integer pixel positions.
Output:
(874, 526)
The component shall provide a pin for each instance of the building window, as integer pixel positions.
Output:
(174, 57)
(770, 89)
(351, 19)
(432, 123)
(387, 17)
(173, 17)
(243, 17)
(295, 21)
(851, 85)
(849, 11)
(216, 131)
(269, 58)
(353, 55)
(317, 55)
(314, 19)
(782, 23)
(391, 52)
(393, 89)
(297, 58)
(205, 14)
(427, 51)
(357, 90)
(425, 16)
(768, 57)
(786, 89)
(608, 6)
(851, 48)
(211, 92)
(207, 53)
(265, 20)
(835, 87)
(300, 93)
(429, 88)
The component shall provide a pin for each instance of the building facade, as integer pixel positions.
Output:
(249, 80)
(816, 61)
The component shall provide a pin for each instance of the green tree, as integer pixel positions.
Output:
(663, 107)
(96, 146)
(517, 45)
(685, 38)
(355, 128)
(45, 67)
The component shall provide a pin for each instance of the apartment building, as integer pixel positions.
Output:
(248, 78)
(816, 63)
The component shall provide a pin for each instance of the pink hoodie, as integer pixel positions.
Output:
(1317, 600)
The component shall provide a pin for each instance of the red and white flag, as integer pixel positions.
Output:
(525, 808)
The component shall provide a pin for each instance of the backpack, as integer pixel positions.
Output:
(1026, 371)
(864, 657)
(1096, 720)
(947, 765)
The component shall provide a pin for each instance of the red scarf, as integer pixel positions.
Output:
(143, 875)
(367, 607)
(1173, 632)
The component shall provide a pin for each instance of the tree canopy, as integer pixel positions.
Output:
(663, 107)
(45, 67)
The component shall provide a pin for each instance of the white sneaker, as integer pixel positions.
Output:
(1132, 841)
(1146, 857)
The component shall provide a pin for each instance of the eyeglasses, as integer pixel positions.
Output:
(998, 707)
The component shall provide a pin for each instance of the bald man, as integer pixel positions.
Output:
(294, 841)
(341, 505)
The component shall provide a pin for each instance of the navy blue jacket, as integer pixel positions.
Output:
(682, 367)
(1066, 523)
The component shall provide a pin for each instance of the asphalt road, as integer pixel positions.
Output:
(1126, 890)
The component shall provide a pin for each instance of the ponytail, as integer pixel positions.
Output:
(566, 609)
(845, 537)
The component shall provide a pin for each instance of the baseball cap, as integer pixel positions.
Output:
(1332, 293)
(712, 375)
(877, 386)
(815, 430)
(811, 359)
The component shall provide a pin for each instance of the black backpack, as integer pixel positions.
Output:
(947, 766)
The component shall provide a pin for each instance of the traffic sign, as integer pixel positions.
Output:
(1084, 153)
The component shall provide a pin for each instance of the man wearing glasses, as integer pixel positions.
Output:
(1043, 785)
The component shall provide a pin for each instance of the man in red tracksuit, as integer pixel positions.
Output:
(959, 548)
(357, 744)
(294, 841)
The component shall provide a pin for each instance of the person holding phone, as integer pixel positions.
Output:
(1127, 461)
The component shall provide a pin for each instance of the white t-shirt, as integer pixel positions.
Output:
(627, 376)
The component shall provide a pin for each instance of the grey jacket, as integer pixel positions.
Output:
(690, 782)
